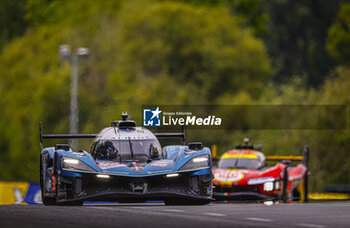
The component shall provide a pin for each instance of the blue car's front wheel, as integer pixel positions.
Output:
(46, 200)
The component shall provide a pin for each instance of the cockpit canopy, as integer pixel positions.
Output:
(127, 150)
(242, 160)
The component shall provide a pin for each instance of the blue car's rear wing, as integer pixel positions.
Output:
(181, 134)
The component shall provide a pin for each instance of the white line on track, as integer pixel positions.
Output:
(259, 219)
(104, 208)
(213, 214)
(139, 207)
(310, 225)
(173, 210)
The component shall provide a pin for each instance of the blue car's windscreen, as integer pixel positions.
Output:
(239, 163)
(126, 150)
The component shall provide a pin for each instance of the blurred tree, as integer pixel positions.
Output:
(198, 45)
(249, 12)
(331, 148)
(72, 13)
(294, 33)
(338, 43)
(252, 13)
(200, 2)
(297, 36)
(31, 90)
(12, 20)
(41, 12)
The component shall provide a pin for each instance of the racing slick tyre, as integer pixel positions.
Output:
(175, 202)
(48, 200)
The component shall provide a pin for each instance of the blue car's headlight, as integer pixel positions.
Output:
(199, 162)
(75, 164)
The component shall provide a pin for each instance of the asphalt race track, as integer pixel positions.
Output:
(314, 215)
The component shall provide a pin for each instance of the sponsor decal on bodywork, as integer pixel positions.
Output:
(160, 163)
(236, 155)
(232, 175)
(109, 165)
(260, 180)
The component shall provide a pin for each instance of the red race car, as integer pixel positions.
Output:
(243, 174)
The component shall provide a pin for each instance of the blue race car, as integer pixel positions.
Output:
(126, 164)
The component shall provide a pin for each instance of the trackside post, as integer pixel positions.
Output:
(306, 179)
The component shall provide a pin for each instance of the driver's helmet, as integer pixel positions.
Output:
(107, 150)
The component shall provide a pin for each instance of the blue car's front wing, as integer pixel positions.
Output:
(194, 186)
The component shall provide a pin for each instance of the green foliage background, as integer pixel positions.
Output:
(173, 52)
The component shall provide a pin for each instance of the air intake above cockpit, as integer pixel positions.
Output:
(124, 123)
